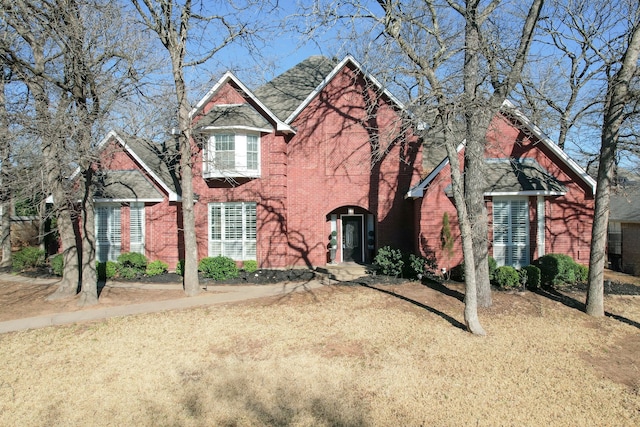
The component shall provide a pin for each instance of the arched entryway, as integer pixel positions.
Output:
(355, 236)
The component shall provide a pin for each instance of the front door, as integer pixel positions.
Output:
(352, 244)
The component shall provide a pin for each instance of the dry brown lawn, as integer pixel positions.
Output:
(344, 355)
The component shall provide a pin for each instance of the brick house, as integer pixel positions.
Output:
(322, 149)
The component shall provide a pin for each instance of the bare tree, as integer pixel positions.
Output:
(563, 80)
(621, 75)
(75, 61)
(179, 26)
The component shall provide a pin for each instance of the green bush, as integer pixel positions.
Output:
(133, 260)
(506, 277)
(457, 272)
(581, 272)
(218, 268)
(125, 272)
(557, 270)
(180, 267)
(28, 257)
(533, 276)
(156, 268)
(250, 266)
(416, 266)
(389, 261)
(106, 270)
(57, 264)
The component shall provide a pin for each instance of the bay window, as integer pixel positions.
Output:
(231, 154)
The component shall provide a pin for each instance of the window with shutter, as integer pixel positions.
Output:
(136, 227)
(108, 232)
(232, 230)
(511, 232)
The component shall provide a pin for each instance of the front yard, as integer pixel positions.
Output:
(341, 355)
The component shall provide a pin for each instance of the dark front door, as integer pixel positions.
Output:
(352, 239)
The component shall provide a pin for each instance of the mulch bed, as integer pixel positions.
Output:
(267, 276)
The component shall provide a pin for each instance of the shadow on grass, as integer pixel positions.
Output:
(570, 302)
(438, 313)
(443, 289)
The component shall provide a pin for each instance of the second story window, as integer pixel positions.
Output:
(232, 155)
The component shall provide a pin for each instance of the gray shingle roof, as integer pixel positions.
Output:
(125, 185)
(519, 175)
(234, 115)
(284, 94)
(159, 159)
(625, 203)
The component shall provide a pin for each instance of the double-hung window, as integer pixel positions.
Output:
(511, 232)
(136, 227)
(108, 232)
(232, 230)
(232, 154)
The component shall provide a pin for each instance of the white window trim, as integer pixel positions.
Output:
(240, 147)
(541, 226)
(246, 241)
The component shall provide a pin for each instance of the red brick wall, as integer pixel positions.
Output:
(568, 217)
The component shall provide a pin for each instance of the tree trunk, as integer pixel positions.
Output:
(5, 184)
(89, 289)
(476, 127)
(191, 282)
(470, 295)
(617, 96)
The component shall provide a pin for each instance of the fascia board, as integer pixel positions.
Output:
(418, 190)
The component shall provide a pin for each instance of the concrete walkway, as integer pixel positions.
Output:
(213, 295)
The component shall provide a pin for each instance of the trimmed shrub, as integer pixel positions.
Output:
(156, 268)
(57, 264)
(457, 272)
(506, 277)
(218, 268)
(133, 260)
(180, 267)
(250, 266)
(28, 257)
(389, 261)
(106, 270)
(581, 272)
(533, 276)
(556, 270)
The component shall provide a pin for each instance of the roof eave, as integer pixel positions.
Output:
(227, 77)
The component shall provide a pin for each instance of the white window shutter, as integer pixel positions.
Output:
(136, 228)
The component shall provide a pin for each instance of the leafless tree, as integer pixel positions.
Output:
(75, 60)
(619, 105)
(192, 33)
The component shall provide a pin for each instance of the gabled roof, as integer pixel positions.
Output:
(509, 108)
(282, 99)
(126, 186)
(152, 160)
(229, 77)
